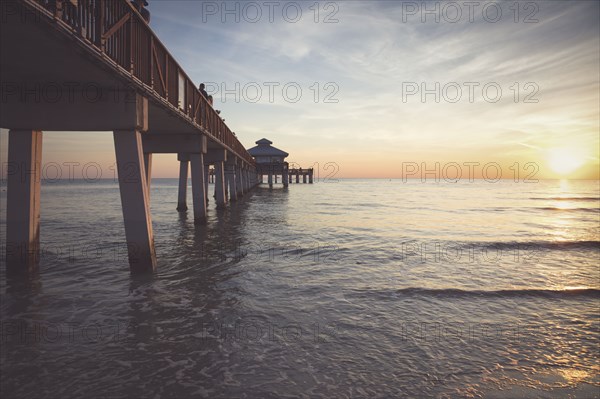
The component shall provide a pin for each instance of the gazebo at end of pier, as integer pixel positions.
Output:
(270, 161)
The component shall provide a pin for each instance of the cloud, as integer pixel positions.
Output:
(373, 49)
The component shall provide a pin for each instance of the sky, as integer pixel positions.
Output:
(389, 89)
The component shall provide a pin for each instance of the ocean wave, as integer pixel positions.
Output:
(565, 198)
(557, 209)
(461, 293)
(413, 245)
(540, 208)
(551, 245)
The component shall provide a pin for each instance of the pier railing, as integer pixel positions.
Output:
(118, 31)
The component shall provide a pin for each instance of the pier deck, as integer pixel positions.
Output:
(96, 65)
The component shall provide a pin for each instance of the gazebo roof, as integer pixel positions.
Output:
(264, 149)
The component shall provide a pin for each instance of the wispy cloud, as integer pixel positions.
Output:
(371, 52)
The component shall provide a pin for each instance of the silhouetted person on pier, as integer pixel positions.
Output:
(141, 5)
(202, 89)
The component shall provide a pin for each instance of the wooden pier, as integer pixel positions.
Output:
(274, 172)
(295, 174)
(111, 73)
(270, 162)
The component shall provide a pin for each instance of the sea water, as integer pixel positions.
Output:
(342, 288)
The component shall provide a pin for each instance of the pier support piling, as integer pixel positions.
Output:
(23, 202)
(239, 181)
(148, 168)
(198, 187)
(230, 180)
(220, 184)
(207, 175)
(217, 158)
(134, 200)
(183, 182)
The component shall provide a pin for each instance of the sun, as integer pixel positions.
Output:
(564, 160)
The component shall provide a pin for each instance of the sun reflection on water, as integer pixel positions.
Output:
(574, 376)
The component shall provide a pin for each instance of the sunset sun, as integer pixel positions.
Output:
(564, 160)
